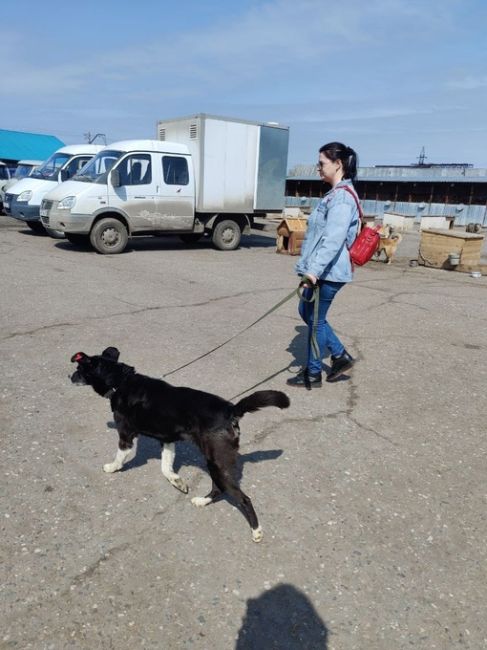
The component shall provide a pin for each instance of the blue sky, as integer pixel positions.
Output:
(384, 76)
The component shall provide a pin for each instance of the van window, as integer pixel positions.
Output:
(136, 170)
(76, 164)
(175, 170)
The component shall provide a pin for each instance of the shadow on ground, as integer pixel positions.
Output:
(282, 618)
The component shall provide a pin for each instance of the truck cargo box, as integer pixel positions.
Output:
(240, 166)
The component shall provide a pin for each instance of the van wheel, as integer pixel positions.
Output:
(191, 238)
(36, 226)
(109, 236)
(226, 235)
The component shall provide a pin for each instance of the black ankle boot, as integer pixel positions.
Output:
(339, 365)
(305, 379)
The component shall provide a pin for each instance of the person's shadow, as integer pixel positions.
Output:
(298, 347)
(282, 618)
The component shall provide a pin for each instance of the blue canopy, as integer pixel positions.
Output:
(17, 145)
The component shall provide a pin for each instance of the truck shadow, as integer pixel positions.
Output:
(140, 244)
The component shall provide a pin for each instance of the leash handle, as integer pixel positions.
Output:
(315, 289)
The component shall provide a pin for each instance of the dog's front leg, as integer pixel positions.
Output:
(167, 462)
(124, 450)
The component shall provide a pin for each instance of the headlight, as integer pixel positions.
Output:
(25, 196)
(67, 203)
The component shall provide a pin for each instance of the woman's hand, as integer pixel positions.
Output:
(312, 280)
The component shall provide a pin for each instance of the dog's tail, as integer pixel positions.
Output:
(259, 400)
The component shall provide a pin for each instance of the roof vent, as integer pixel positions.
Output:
(162, 133)
(193, 132)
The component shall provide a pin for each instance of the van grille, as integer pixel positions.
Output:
(46, 205)
(193, 131)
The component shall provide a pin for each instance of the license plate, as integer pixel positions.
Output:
(43, 213)
(6, 205)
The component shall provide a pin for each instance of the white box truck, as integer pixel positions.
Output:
(204, 175)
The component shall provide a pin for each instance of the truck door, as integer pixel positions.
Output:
(136, 194)
(175, 194)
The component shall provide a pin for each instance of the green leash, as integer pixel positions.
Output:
(314, 343)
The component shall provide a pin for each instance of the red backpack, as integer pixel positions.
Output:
(367, 240)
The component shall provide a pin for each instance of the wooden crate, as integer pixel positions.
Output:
(436, 245)
(290, 235)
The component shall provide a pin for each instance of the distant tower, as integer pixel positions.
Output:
(422, 157)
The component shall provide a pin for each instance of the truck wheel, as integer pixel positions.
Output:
(77, 240)
(191, 238)
(226, 235)
(109, 236)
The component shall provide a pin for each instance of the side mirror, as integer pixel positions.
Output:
(64, 175)
(115, 178)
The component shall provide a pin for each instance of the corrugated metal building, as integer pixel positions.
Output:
(18, 145)
(458, 191)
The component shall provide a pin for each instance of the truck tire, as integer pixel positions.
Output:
(78, 240)
(226, 235)
(109, 236)
(191, 237)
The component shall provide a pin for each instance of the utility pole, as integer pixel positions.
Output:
(422, 157)
(90, 139)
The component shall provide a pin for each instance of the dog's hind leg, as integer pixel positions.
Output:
(167, 462)
(125, 449)
(223, 475)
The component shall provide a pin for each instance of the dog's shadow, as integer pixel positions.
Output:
(189, 455)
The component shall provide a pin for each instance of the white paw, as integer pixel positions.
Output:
(199, 502)
(257, 534)
(109, 468)
(178, 483)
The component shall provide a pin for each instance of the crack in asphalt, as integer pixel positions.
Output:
(142, 310)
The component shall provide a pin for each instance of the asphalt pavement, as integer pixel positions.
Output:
(370, 491)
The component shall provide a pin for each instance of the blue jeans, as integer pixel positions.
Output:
(325, 336)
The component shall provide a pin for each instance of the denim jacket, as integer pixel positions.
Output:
(332, 228)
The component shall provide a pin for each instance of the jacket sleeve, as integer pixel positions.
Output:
(333, 237)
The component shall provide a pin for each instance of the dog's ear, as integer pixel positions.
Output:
(111, 353)
(79, 356)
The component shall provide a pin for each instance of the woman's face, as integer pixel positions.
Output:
(330, 172)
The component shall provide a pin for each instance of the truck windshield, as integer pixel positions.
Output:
(51, 167)
(3, 172)
(96, 171)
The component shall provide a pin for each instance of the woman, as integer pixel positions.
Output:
(325, 261)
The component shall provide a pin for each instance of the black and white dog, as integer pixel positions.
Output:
(152, 407)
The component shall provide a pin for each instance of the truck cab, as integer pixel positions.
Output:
(133, 187)
(22, 200)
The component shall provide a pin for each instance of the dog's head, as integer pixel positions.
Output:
(385, 231)
(102, 372)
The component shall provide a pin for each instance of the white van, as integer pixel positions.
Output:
(24, 168)
(23, 200)
(212, 177)
(4, 179)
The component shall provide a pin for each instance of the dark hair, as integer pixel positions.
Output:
(338, 151)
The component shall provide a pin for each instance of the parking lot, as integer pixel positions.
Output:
(370, 491)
